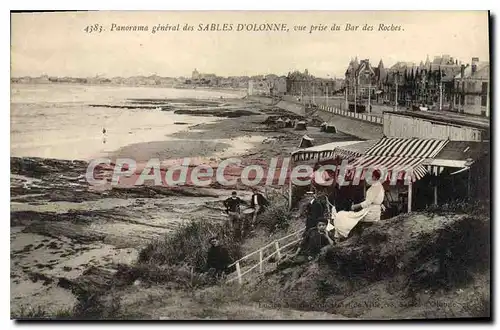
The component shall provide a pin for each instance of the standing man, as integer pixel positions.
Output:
(259, 203)
(315, 211)
(232, 205)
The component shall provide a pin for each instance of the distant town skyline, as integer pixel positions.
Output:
(56, 44)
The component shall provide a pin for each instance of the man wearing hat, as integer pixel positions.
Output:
(258, 203)
(314, 211)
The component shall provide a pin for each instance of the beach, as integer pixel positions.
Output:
(62, 228)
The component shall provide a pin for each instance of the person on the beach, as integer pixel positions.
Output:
(104, 135)
(259, 204)
(233, 210)
(218, 258)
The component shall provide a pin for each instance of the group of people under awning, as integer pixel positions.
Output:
(324, 226)
(324, 229)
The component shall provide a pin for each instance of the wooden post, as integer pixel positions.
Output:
(346, 101)
(435, 194)
(260, 260)
(238, 271)
(410, 188)
(289, 193)
(468, 184)
(396, 81)
(326, 96)
(277, 244)
(355, 101)
(369, 96)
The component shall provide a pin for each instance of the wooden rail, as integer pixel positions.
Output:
(262, 257)
(360, 116)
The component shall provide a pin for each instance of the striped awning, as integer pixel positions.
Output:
(399, 154)
(434, 170)
(320, 152)
(407, 147)
(345, 154)
(305, 156)
(353, 151)
(387, 165)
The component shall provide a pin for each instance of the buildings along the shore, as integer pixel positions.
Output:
(440, 84)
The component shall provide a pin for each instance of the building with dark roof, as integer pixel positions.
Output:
(428, 84)
(363, 82)
(472, 89)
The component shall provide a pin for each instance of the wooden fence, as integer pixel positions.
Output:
(277, 247)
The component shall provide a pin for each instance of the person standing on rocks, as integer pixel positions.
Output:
(233, 209)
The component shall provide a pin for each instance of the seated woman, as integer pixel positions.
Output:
(368, 211)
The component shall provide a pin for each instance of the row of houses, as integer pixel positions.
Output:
(152, 80)
(303, 83)
(440, 84)
(270, 84)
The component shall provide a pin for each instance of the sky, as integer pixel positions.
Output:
(57, 45)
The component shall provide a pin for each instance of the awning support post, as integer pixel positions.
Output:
(468, 185)
(410, 188)
(435, 194)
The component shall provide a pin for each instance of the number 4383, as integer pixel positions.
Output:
(93, 28)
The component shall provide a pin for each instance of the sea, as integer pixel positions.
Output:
(57, 121)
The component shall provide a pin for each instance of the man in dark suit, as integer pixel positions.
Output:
(314, 211)
(259, 203)
(218, 258)
(233, 209)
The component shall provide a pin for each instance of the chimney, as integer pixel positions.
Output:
(474, 62)
(462, 70)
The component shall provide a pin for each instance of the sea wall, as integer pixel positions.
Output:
(359, 128)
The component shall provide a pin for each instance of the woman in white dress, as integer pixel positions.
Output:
(369, 210)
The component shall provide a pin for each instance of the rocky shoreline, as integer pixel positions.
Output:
(62, 229)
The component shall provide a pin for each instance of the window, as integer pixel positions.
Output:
(471, 100)
(484, 88)
(484, 94)
(484, 100)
